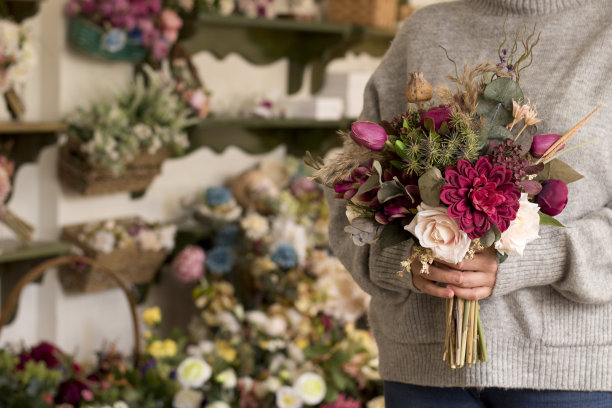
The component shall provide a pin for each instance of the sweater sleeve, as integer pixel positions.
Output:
(576, 261)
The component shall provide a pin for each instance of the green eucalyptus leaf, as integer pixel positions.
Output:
(378, 168)
(389, 190)
(392, 235)
(429, 186)
(558, 170)
(546, 219)
(504, 90)
(501, 258)
(429, 124)
(444, 130)
(488, 239)
(371, 183)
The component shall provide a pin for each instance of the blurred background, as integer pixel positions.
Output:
(165, 141)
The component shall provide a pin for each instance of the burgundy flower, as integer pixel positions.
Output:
(343, 402)
(480, 195)
(44, 352)
(369, 135)
(348, 187)
(553, 197)
(398, 207)
(70, 392)
(303, 187)
(541, 143)
(438, 116)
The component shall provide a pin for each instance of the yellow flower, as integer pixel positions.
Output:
(225, 351)
(162, 348)
(148, 335)
(152, 316)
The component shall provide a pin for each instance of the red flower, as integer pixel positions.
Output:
(480, 195)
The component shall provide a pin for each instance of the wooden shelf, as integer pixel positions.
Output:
(15, 251)
(20, 128)
(262, 135)
(263, 41)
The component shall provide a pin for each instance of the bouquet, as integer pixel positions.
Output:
(17, 55)
(453, 176)
(152, 24)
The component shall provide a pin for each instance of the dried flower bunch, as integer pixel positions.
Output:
(17, 56)
(451, 176)
(145, 118)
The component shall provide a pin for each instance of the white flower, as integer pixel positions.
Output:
(120, 404)
(311, 388)
(187, 398)
(148, 240)
(436, 230)
(255, 226)
(378, 402)
(257, 318)
(103, 241)
(276, 327)
(142, 131)
(522, 230)
(193, 372)
(166, 236)
(285, 230)
(273, 384)
(228, 321)
(227, 378)
(287, 397)
(218, 404)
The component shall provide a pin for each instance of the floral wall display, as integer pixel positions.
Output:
(127, 29)
(17, 58)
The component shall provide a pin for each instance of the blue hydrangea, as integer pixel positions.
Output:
(217, 196)
(220, 260)
(285, 256)
(114, 40)
(227, 236)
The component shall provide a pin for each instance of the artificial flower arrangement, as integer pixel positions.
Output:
(190, 88)
(453, 177)
(133, 248)
(279, 317)
(17, 58)
(152, 26)
(21, 228)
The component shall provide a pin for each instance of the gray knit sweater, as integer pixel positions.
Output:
(548, 324)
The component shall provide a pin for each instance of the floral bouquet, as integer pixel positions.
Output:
(152, 24)
(452, 176)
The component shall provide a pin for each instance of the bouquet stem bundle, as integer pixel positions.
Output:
(464, 335)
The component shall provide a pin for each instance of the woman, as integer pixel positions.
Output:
(548, 314)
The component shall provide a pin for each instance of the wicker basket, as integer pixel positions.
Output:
(10, 305)
(88, 37)
(75, 172)
(377, 13)
(132, 264)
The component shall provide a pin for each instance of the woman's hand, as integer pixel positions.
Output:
(469, 279)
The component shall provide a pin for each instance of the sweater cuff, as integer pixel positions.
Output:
(385, 267)
(543, 263)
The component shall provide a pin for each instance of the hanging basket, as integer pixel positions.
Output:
(112, 44)
(132, 264)
(376, 13)
(10, 305)
(77, 173)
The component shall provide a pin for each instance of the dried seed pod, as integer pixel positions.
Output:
(418, 90)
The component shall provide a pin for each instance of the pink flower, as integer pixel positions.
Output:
(171, 20)
(188, 265)
(399, 207)
(541, 143)
(72, 8)
(369, 135)
(480, 195)
(348, 187)
(438, 116)
(343, 402)
(553, 197)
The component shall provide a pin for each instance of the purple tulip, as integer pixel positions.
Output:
(438, 115)
(369, 135)
(553, 197)
(541, 143)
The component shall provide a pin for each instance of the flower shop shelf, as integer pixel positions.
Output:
(16, 258)
(263, 41)
(27, 139)
(264, 134)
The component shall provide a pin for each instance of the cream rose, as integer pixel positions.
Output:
(522, 230)
(436, 230)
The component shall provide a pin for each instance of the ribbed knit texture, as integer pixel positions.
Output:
(548, 324)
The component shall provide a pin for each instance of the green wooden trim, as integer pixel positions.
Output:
(15, 251)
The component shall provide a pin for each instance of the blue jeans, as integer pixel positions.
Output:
(399, 395)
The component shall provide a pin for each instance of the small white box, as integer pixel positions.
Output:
(319, 108)
(350, 86)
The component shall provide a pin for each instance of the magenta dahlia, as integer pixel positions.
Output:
(480, 195)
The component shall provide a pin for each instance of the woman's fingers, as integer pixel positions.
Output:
(477, 293)
(429, 287)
